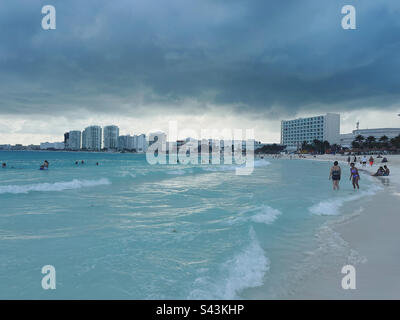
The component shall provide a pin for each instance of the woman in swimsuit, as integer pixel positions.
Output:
(371, 161)
(354, 176)
(335, 174)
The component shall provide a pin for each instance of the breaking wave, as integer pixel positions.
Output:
(53, 187)
(245, 270)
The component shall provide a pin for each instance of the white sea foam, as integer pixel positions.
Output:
(217, 168)
(224, 167)
(178, 172)
(245, 270)
(53, 187)
(261, 163)
(332, 206)
(261, 214)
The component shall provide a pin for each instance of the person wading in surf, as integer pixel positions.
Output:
(354, 176)
(335, 174)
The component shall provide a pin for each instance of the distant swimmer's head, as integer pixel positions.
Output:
(335, 163)
(3, 165)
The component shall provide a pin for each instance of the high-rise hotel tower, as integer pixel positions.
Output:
(91, 138)
(325, 127)
(111, 134)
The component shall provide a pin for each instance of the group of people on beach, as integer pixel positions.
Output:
(336, 172)
(382, 171)
(363, 160)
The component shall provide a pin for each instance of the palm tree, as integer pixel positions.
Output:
(383, 139)
(317, 145)
(355, 144)
(325, 146)
(358, 142)
(359, 138)
(371, 141)
(395, 141)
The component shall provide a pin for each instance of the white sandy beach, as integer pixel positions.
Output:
(373, 235)
(368, 231)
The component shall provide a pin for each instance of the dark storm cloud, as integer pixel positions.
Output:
(256, 57)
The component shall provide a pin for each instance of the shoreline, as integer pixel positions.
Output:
(370, 237)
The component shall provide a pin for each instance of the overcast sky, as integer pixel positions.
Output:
(205, 63)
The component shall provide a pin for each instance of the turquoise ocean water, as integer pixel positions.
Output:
(129, 230)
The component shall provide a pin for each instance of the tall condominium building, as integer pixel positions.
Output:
(74, 140)
(141, 143)
(126, 142)
(66, 139)
(91, 138)
(324, 127)
(111, 134)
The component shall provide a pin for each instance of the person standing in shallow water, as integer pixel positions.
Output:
(354, 176)
(335, 174)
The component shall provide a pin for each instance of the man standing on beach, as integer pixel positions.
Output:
(335, 174)
(364, 161)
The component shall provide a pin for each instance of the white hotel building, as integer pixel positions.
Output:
(347, 138)
(324, 127)
(111, 134)
(136, 142)
(91, 138)
(74, 140)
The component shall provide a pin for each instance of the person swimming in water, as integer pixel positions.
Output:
(45, 165)
(354, 176)
(335, 174)
(4, 165)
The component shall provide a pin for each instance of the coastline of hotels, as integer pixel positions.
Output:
(294, 133)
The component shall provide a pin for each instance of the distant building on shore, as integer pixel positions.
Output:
(141, 143)
(5, 146)
(126, 143)
(66, 140)
(52, 146)
(325, 128)
(74, 140)
(91, 138)
(347, 138)
(111, 134)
